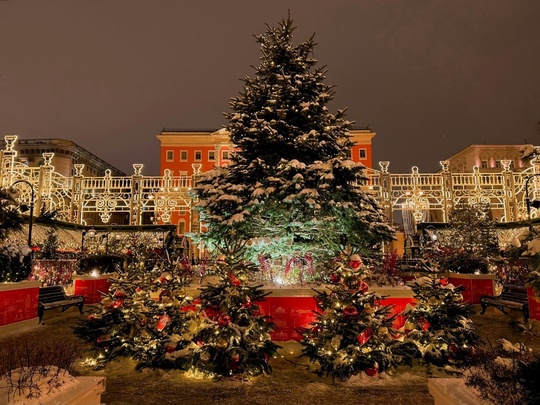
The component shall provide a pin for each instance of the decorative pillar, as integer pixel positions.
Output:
(7, 159)
(135, 215)
(76, 208)
(510, 200)
(44, 187)
(386, 191)
(447, 190)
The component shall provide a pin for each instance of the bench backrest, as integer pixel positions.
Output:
(514, 293)
(51, 294)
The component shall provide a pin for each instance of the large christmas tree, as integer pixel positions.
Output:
(290, 187)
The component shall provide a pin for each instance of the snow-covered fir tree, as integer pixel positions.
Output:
(147, 314)
(233, 336)
(438, 328)
(353, 332)
(290, 182)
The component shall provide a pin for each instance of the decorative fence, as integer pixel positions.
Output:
(139, 200)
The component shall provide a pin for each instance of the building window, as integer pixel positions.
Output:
(198, 155)
(484, 164)
(348, 154)
(211, 155)
(498, 164)
(362, 153)
(183, 156)
(169, 156)
(224, 155)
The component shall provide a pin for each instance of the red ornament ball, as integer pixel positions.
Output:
(372, 371)
(224, 320)
(350, 311)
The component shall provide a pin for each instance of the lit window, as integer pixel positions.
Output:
(362, 153)
(198, 155)
(211, 155)
(169, 156)
(183, 155)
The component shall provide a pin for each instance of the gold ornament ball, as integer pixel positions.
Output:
(222, 344)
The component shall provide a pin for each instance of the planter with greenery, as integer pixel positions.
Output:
(533, 294)
(92, 278)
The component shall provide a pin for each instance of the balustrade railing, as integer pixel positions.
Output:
(427, 197)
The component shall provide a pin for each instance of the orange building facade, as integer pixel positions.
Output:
(187, 152)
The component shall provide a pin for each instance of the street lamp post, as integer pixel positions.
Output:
(31, 206)
(535, 203)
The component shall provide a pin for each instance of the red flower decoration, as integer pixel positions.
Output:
(335, 278)
(444, 281)
(349, 311)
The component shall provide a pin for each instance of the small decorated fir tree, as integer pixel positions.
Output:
(50, 244)
(353, 332)
(234, 337)
(438, 329)
(146, 315)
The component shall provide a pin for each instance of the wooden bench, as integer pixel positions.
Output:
(512, 296)
(54, 296)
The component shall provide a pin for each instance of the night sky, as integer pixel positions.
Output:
(430, 77)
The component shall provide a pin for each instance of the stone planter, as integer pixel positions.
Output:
(91, 288)
(452, 391)
(78, 391)
(475, 285)
(18, 305)
(534, 304)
